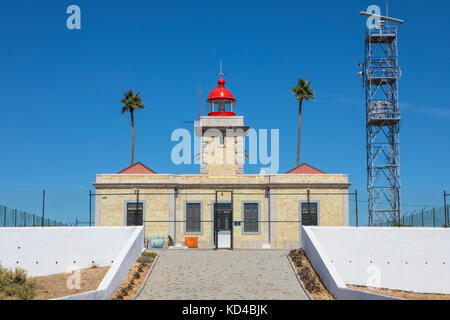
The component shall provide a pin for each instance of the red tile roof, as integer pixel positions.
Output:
(305, 169)
(137, 168)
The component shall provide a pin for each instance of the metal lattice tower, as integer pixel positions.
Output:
(381, 74)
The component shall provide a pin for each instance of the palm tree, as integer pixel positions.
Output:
(131, 102)
(302, 91)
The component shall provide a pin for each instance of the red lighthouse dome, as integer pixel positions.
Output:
(221, 101)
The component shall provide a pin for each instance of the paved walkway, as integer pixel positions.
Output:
(222, 275)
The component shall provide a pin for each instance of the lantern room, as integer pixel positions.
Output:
(221, 102)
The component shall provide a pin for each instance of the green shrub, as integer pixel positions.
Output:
(15, 285)
(146, 257)
(148, 254)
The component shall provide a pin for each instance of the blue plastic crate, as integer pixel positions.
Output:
(156, 242)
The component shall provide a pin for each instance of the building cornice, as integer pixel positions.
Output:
(224, 185)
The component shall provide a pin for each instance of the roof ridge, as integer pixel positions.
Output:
(308, 165)
(136, 164)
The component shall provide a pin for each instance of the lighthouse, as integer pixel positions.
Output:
(222, 134)
(222, 207)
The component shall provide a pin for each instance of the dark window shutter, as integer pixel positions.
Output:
(139, 219)
(196, 224)
(135, 214)
(309, 215)
(193, 223)
(189, 218)
(251, 222)
(130, 219)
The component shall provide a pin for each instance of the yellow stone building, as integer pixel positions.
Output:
(222, 206)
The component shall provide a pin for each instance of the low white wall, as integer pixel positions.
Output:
(410, 259)
(328, 273)
(45, 251)
(119, 270)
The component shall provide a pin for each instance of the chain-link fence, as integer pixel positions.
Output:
(431, 218)
(17, 218)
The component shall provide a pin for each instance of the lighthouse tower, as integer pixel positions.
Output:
(222, 134)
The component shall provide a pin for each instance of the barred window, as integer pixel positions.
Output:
(193, 217)
(309, 215)
(251, 223)
(135, 216)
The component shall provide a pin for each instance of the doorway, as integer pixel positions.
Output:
(223, 222)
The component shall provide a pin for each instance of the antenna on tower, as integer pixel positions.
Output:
(382, 18)
(221, 74)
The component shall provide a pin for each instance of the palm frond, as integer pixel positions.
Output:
(131, 101)
(303, 90)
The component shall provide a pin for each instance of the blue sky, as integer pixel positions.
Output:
(61, 89)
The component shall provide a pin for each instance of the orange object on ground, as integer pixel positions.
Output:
(191, 242)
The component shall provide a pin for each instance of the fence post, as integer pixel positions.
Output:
(15, 217)
(269, 216)
(412, 218)
(175, 195)
(76, 222)
(445, 210)
(356, 207)
(422, 218)
(4, 218)
(90, 206)
(137, 206)
(434, 218)
(25, 219)
(448, 219)
(43, 208)
(308, 192)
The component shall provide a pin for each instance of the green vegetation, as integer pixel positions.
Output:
(14, 285)
(147, 257)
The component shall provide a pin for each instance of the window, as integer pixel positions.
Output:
(135, 216)
(309, 215)
(193, 218)
(251, 223)
(224, 213)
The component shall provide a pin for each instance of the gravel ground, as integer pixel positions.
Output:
(55, 286)
(222, 275)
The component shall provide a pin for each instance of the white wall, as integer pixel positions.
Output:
(45, 251)
(410, 259)
(119, 270)
(329, 274)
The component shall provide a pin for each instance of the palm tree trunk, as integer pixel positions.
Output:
(132, 138)
(299, 131)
